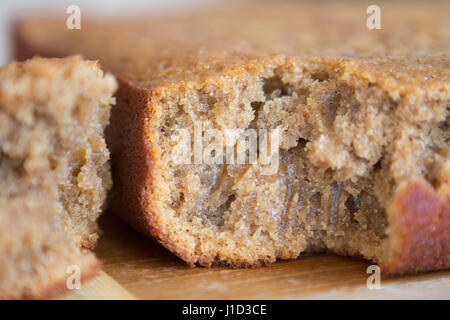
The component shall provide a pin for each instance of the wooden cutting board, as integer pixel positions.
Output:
(138, 267)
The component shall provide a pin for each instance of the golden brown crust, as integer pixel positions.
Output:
(419, 226)
(234, 38)
(127, 144)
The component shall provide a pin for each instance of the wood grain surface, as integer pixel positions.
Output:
(148, 271)
(103, 287)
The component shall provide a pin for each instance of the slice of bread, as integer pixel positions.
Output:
(363, 166)
(54, 172)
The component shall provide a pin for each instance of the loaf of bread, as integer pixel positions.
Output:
(362, 167)
(54, 173)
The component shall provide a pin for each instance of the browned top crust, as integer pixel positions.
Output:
(410, 51)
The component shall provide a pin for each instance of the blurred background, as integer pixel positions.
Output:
(9, 9)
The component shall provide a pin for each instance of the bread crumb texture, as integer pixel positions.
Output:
(54, 172)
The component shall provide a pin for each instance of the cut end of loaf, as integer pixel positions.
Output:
(348, 148)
